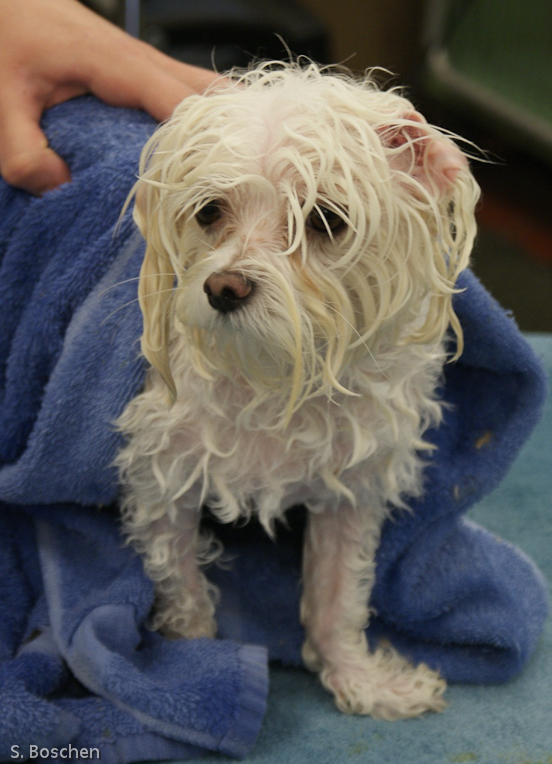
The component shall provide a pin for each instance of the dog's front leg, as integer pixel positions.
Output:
(338, 576)
(173, 551)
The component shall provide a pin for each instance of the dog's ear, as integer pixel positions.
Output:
(420, 151)
(155, 290)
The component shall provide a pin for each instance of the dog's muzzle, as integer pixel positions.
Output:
(227, 291)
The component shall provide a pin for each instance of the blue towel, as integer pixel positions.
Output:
(77, 665)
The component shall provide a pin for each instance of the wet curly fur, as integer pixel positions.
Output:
(304, 232)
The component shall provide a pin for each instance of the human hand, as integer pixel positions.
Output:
(54, 50)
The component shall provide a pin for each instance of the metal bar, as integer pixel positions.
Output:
(132, 17)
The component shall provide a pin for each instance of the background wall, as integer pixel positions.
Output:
(379, 32)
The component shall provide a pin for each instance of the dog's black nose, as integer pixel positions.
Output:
(227, 291)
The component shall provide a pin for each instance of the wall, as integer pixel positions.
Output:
(383, 33)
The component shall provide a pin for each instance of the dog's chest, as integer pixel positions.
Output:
(253, 454)
(250, 465)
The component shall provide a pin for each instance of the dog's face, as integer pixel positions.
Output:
(296, 221)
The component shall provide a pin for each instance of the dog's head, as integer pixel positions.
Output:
(295, 221)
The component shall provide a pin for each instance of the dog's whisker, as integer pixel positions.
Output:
(132, 302)
(127, 304)
(129, 281)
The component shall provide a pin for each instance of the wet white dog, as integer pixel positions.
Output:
(304, 234)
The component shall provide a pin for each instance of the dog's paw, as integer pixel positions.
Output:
(196, 628)
(184, 623)
(384, 685)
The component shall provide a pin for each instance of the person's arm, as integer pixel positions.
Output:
(53, 50)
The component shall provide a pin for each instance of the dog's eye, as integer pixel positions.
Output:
(209, 213)
(322, 218)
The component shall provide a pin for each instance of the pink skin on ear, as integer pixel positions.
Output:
(434, 161)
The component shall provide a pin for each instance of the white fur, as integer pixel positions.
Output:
(317, 389)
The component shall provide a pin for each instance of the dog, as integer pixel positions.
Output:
(305, 230)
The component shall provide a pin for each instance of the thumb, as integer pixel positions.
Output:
(26, 161)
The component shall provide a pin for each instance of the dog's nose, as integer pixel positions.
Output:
(227, 291)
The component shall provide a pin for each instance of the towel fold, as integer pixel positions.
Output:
(77, 665)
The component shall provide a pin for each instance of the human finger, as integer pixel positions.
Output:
(26, 160)
(196, 77)
(149, 80)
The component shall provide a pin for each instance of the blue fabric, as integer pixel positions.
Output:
(76, 663)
